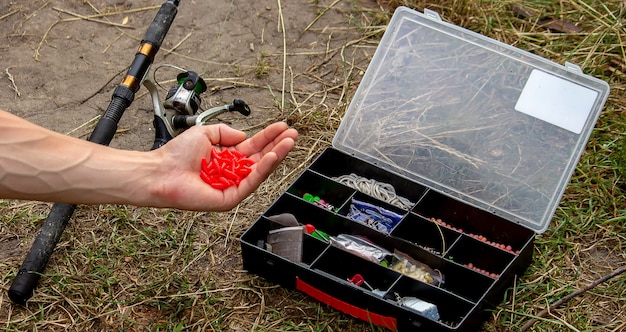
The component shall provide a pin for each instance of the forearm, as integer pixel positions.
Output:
(39, 164)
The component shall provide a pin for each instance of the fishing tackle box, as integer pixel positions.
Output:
(480, 136)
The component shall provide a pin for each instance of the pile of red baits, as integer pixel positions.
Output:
(477, 237)
(226, 168)
(485, 272)
(495, 244)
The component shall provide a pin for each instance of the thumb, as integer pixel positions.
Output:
(223, 135)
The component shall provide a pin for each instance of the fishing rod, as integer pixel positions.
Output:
(50, 233)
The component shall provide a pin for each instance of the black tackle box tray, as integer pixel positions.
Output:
(324, 270)
(462, 147)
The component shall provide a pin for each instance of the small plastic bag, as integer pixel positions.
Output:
(360, 247)
(425, 308)
(410, 267)
(374, 216)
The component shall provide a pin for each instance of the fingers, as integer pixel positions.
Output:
(262, 142)
(265, 140)
(281, 148)
(264, 167)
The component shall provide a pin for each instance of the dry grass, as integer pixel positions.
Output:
(125, 268)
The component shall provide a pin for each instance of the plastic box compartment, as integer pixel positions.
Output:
(482, 146)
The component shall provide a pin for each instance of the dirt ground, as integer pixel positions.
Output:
(59, 70)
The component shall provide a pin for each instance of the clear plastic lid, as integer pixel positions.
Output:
(494, 126)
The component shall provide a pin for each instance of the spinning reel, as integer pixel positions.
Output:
(179, 111)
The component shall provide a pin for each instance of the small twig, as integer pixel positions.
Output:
(129, 11)
(294, 100)
(87, 18)
(36, 11)
(346, 74)
(43, 39)
(565, 299)
(97, 117)
(14, 87)
(111, 44)
(8, 14)
(320, 15)
(100, 14)
(282, 25)
(261, 314)
(103, 86)
(230, 226)
(178, 44)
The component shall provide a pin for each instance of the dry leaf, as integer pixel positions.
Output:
(559, 25)
(550, 23)
(522, 11)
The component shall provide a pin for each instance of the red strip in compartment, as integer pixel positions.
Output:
(384, 321)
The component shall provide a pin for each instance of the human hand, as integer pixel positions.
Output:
(180, 185)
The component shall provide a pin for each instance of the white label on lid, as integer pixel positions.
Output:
(556, 101)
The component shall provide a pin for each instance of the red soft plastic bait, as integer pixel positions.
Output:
(226, 168)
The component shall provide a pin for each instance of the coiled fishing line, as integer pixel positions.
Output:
(380, 190)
